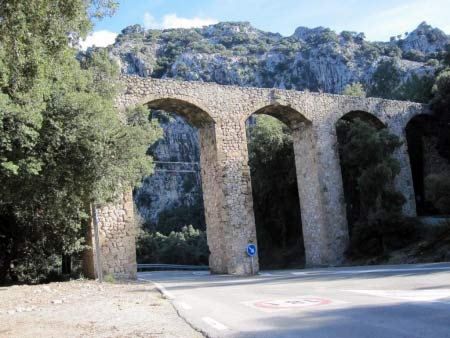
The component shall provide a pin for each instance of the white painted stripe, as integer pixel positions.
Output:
(214, 323)
(163, 290)
(265, 274)
(201, 273)
(426, 295)
(185, 306)
(356, 272)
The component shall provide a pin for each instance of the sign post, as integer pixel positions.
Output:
(97, 247)
(251, 251)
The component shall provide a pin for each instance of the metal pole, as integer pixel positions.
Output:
(97, 247)
(252, 265)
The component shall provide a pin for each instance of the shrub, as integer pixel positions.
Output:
(385, 80)
(355, 89)
(414, 55)
(438, 191)
(369, 171)
(110, 279)
(390, 233)
(187, 246)
(275, 194)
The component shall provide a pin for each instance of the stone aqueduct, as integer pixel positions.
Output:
(220, 112)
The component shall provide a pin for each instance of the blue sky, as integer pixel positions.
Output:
(378, 19)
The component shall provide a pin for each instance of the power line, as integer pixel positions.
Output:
(176, 171)
(169, 162)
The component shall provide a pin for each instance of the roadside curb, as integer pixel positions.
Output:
(170, 297)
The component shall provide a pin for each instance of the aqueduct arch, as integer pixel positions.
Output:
(220, 112)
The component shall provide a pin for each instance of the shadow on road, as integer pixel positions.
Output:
(387, 321)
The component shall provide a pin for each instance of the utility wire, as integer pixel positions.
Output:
(176, 171)
(168, 162)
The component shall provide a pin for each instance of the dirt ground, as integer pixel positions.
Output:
(89, 309)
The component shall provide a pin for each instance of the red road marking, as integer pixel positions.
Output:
(292, 303)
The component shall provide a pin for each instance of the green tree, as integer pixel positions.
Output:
(415, 89)
(438, 188)
(275, 193)
(187, 246)
(368, 169)
(440, 104)
(355, 89)
(385, 80)
(63, 144)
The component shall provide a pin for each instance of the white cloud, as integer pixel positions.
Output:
(150, 22)
(99, 39)
(174, 21)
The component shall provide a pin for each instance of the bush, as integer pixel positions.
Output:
(187, 246)
(110, 279)
(390, 233)
(414, 55)
(438, 191)
(368, 172)
(355, 89)
(275, 194)
(385, 80)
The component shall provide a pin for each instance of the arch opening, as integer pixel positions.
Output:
(430, 171)
(371, 166)
(363, 116)
(170, 202)
(193, 114)
(350, 170)
(274, 186)
(285, 114)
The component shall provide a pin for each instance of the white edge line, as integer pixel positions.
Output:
(355, 272)
(214, 323)
(185, 305)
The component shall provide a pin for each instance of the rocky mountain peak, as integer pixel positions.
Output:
(304, 33)
(424, 39)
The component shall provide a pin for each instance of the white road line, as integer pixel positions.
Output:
(214, 323)
(265, 274)
(356, 272)
(427, 295)
(185, 306)
(163, 290)
(201, 273)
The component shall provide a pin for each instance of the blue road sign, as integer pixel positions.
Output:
(251, 250)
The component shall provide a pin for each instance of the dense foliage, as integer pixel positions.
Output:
(368, 171)
(355, 89)
(187, 246)
(438, 191)
(275, 194)
(63, 144)
(441, 105)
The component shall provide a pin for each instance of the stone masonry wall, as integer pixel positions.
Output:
(220, 112)
(117, 235)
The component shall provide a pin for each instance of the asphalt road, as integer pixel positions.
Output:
(410, 301)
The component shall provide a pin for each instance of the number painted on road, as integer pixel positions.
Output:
(293, 303)
(302, 302)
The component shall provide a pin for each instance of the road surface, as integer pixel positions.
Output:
(403, 301)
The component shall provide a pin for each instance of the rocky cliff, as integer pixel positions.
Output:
(315, 59)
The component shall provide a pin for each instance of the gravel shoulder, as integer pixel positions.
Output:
(89, 309)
